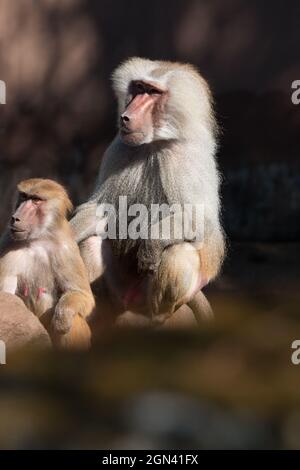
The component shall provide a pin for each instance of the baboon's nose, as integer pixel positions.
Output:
(124, 119)
(14, 220)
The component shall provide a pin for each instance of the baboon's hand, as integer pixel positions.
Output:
(149, 257)
(62, 319)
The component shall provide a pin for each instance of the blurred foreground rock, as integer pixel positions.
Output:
(18, 326)
(230, 384)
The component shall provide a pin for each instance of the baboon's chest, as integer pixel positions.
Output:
(36, 284)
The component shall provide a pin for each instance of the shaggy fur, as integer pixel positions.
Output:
(177, 167)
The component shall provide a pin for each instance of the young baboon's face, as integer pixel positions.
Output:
(41, 205)
(28, 218)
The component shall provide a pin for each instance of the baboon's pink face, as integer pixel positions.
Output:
(28, 218)
(145, 106)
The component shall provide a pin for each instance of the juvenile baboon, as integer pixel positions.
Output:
(41, 263)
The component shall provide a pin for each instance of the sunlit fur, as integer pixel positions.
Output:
(188, 112)
(177, 166)
(178, 169)
(46, 269)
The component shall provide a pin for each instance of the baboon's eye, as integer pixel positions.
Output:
(36, 200)
(140, 88)
(154, 91)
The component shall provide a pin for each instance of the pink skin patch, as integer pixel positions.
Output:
(132, 295)
(26, 291)
(27, 212)
(41, 291)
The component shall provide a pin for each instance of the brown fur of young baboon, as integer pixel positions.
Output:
(40, 262)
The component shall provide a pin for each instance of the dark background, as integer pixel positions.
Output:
(56, 57)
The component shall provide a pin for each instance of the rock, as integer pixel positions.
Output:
(19, 326)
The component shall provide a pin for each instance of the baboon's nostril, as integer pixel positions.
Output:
(124, 118)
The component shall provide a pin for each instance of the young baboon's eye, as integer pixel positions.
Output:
(36, 200)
